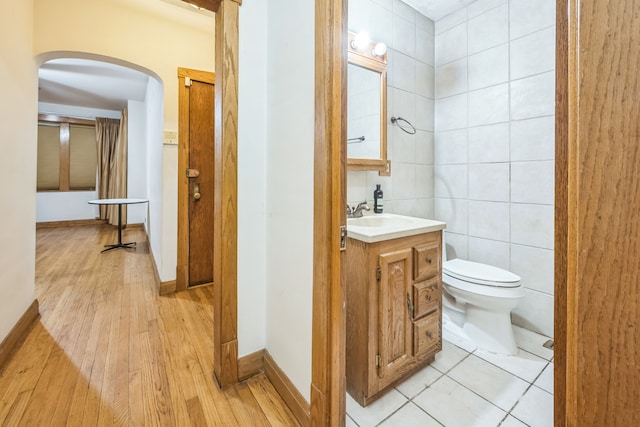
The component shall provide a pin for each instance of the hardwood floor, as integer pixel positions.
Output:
(109, 351)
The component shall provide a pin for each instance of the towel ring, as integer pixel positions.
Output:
(397, 120)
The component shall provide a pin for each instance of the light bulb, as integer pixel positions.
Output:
(360, 41)
(380, 49)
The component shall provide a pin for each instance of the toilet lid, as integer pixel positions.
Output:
(481, 274)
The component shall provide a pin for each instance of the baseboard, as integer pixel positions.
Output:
(69, 223)
(289, 393)
(18, 334)
(250, 365)
(167, 288)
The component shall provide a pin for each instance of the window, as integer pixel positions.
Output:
(67, 154)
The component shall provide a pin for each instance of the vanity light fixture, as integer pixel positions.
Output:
(361, 45)
(360, 41)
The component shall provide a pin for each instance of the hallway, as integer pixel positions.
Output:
(108, 350)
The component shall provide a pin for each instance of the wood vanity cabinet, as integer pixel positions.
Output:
(394, 305)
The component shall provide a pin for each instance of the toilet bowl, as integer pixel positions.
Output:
(478, 299)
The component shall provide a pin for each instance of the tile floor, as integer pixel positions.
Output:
(465, 387)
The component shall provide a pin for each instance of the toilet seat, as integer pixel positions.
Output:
(480, 274)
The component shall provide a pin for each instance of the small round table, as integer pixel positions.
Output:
(118, 202)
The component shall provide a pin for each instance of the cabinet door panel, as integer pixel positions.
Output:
(427, 335)
(426, 297)
(426, 261)
(394, 330)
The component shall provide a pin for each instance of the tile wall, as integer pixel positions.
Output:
(494, 142)
(410, 94)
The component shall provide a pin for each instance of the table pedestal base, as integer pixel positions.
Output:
(119, 245)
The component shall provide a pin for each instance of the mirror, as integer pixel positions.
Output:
(367, 106)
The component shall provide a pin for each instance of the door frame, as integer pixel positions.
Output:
(182, 265)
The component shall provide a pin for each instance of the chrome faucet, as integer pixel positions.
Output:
(357, 211)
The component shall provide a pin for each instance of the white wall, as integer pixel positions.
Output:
(290, 147)
(494, 143)
(18, 109)
(154, 36)
(252, 149)
(137, 160)
(409, 37)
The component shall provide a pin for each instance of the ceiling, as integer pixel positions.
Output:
(88, 83)
(436, 9)
(101, 85)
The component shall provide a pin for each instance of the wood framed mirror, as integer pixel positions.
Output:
(367, 106)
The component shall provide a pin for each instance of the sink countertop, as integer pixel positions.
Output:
(379, 227)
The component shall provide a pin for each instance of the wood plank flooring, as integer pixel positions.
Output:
(109, 352)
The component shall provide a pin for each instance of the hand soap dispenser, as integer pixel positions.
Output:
(377, 199)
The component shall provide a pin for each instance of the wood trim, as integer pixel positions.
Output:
(328, 327)
(561, 213)
(18, 333)
(167, 288)
(250, 365)
(53, 118)
(285, 388)
(198, 75)
(70, 223)
(225, 233)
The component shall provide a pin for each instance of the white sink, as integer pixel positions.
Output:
(379, 227)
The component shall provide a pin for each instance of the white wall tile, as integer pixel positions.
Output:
(424, 181)
(489, 105)
(527, 16)
(424, 148)
(404, 147)
(457, 244)
(387, 4)
(451, 78)
(404, 10)
(481, 6)
(489, 29)
(489, 67)
(405, 206)
(532, 182)
(358, 15)
(404, 181)
(451, 147)
(404, 104)
(357, 186)
(534, 266)
(451, 181)
(533, 54)
(532, 225)
(489, 143)
(424, 208)
(533, 96)
(489, 220)
(425, 80)
(404, 36)
(425, 47)
(489, 181)
(425, 24)
(451, 113)
(491, 252)
(535, 312)
(533, 139)
(424, 114)
(454, 212)
(379, 25)
(451, 45)
(452, 20)
(404, 72)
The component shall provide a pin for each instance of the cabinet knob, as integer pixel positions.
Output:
(429, 334)
(429, 260)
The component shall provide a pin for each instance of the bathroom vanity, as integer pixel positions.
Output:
(394, 301)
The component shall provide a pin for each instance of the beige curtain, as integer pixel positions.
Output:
(112, 139)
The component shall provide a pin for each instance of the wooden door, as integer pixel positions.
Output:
(394, 328)
(196, 179)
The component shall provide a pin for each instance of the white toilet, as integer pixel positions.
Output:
(478, 299)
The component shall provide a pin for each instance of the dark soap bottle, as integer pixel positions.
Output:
(377, 199)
